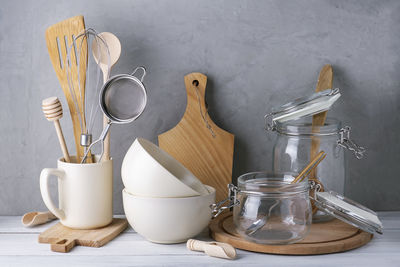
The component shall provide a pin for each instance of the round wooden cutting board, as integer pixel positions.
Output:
(327, 237)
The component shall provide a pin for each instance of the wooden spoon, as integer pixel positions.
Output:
(310, 167)
(106, 62)
(36, 218)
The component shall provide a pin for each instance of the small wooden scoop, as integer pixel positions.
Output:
(35, 218)
(213, 249)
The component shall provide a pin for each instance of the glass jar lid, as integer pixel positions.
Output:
(348, 211)
(302, 107)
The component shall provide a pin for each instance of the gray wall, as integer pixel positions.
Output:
(257, 54)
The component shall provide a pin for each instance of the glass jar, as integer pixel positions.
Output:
(270, 210)
(300, 138)
(293, 150)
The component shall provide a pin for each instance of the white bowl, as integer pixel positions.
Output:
(149, 171)
(168, 220)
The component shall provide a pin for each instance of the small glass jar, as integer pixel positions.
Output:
(270, 210)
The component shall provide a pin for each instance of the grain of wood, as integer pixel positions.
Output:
(198, 143)
(323, 238)
(69, 29)
(19, 247)
(63, 239)
(325, 81)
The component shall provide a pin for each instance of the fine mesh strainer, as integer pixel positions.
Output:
(122, 99)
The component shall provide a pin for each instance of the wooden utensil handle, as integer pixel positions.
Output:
(325, 81)
(106, 155)
(61, 140)
(63, 245)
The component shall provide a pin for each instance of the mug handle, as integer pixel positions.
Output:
(44, 190)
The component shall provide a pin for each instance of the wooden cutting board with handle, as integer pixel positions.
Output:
(198, 143)
(63, 239)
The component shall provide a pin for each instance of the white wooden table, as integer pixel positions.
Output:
(19, 247)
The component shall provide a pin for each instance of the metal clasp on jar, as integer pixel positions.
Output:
(270, 124)
(349, 144)
(219, 207)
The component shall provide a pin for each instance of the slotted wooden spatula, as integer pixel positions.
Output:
(198, 143)
(59, 38)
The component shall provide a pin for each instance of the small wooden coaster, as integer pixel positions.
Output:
(63, 239)
(323, 238)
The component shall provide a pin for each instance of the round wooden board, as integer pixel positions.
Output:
(323, 238)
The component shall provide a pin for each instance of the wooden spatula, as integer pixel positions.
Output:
(198, 143)
(325, 80)
(59, 38)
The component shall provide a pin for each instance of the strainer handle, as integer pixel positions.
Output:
(140, 68)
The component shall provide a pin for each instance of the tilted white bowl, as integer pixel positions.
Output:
(149, 171)
(168, 220)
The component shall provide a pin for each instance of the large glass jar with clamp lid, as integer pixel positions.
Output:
(298, 140)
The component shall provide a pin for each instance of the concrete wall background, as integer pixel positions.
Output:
(257, 54)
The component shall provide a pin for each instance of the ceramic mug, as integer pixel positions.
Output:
(84, 193)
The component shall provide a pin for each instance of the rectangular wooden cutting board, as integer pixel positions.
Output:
(63, 239)
(198, 143)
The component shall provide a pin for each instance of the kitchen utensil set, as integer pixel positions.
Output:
(69, 45)
(164, 201)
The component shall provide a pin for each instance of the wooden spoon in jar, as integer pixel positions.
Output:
(106, 59)
(325, 81)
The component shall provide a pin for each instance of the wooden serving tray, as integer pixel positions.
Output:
(323, 238)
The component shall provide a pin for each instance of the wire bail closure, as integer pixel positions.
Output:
(219, 207)
(349, 144)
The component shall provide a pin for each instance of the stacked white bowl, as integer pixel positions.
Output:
(163, 201)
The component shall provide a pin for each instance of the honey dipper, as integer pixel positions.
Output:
(52, 110)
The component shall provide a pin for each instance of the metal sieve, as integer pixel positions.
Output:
(122, 99)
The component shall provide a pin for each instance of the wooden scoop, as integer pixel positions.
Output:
(36, 218)
(213, 249)
(59, 38)
(52, 109)
(106, 62)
